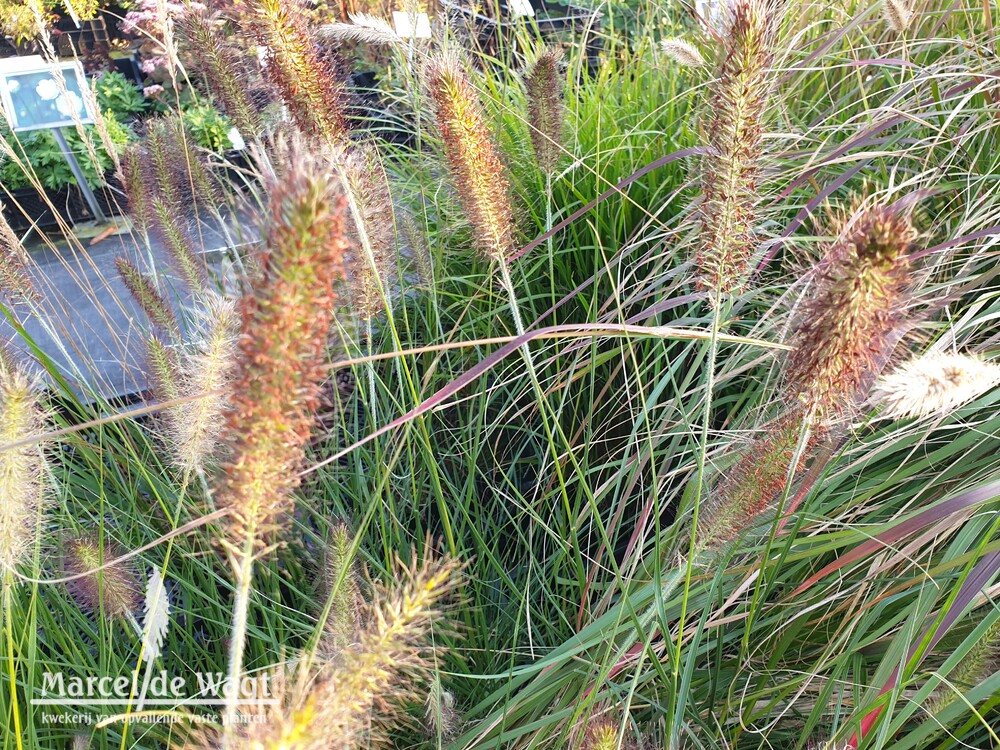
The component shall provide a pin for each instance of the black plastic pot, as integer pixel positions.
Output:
(552, 19)
(26, 207)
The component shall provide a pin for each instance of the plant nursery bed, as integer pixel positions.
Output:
(557, 22)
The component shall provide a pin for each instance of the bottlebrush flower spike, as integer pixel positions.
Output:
(114, 590)
(749, 488)
(479, 174)
(205, 377)
(143, 289)
(222, 68)
(982, 660)
(163, 370)
(286, 319)
(682, 52)
(347, 704)
(936, 383)
(546, 112)
(14, 279)
(133, 180)
(343, 624)
(22, 469)
(859, 299)
(374, 266)
(739, 99)
(309, 87)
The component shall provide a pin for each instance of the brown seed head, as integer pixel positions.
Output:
(479, 174)
(546, 112)
(115, 591)
(859, 300)
(739, 100)
(286, 319)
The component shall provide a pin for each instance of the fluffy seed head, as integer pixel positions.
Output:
(206, 375)
(130, 174)
(224, 70)
(981, 661)
(374, 254)
(286, 319)
(115, 590)
(347, 704)
(682, 52)
(602, 734)
(311, 90)
(936, 383)
(163, 370)
(343, 624)
(739, 100)
(441, 718)
(749, 488)
(479, 174)
(144, 291)
(364, 28)
(859, 300)
(22, 469)
(898, 15)
(14, 280)
(546, 113)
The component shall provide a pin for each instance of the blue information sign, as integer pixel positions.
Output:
(34, 97)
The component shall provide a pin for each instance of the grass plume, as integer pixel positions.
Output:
(739, 99)
(936, 383)
(860, 297)
(479, 174)
(546, 112)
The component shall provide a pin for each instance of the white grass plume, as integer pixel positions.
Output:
(364, 28)
(898, 15)
(22, 469)
(155, 625)
(936, 383)
(206, 375)
(682, 52)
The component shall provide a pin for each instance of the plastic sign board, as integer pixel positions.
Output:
(34, 98)
(411, 25)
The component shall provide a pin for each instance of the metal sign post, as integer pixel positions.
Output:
(38, 95)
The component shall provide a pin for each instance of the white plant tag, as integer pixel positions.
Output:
(407, 29)
(520, 8)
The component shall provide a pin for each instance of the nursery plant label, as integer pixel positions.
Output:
(39, 95)
(412, 25)
(521, 8)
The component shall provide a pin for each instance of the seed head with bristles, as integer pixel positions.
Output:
(936, 383)
(144, 291)
(14, 279)
(347, 704)
(133, 180)
(343, 625)
(682, 52)
(479, 174)
(859, 300)
(898, 15)
(22, 469)
(546, 112)
(374, 261)
(163, 370)
(739, 100)
(364, 28)
(981, 661)
(308, 85)
(115, 590)
(749, 488)
(206, 374)
(222, 68)
(286, 319)
(441, 719)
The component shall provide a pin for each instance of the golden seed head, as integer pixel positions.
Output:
(22, 469)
